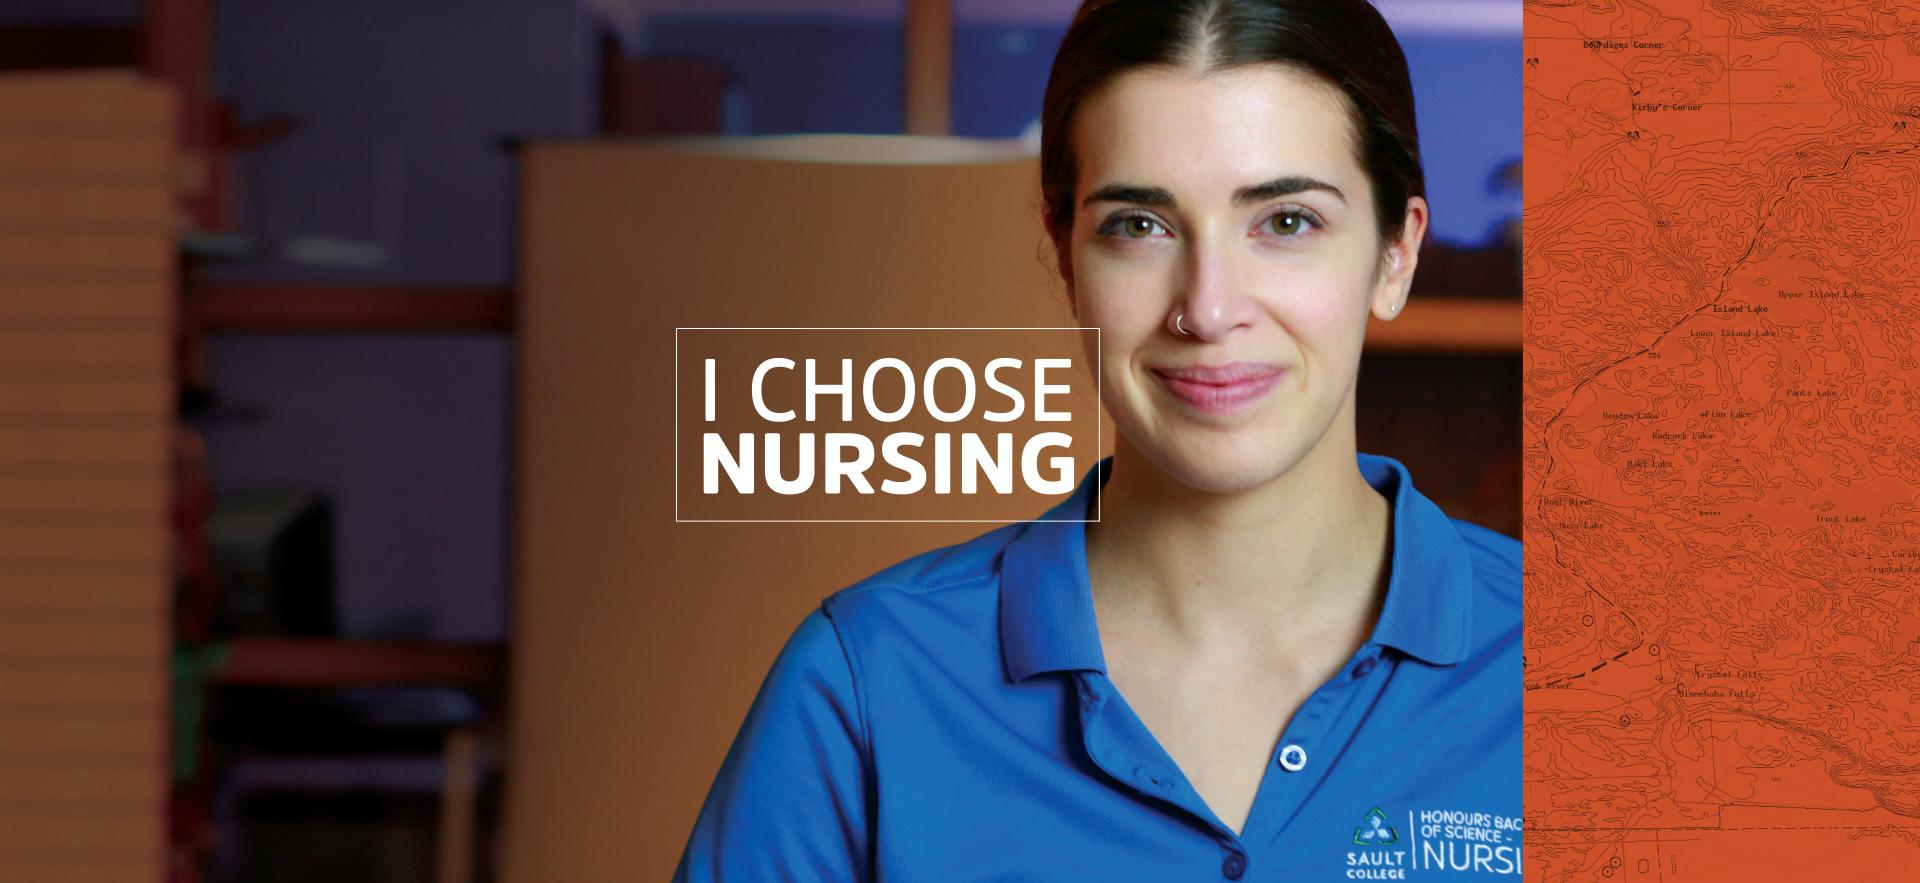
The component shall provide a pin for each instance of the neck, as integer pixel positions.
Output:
(1303, 554)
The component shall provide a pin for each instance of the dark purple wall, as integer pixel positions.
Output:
(402, 108)
(409, 434)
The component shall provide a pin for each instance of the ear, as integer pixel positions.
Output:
(1395, 279)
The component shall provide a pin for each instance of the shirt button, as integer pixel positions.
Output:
(1293, 758)
(1234, 866)
(1360, 671)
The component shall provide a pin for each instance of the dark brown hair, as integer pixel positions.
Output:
(1345, 42)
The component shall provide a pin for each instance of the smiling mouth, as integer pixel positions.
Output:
(1220, 389)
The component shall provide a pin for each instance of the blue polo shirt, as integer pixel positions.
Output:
(950, 719)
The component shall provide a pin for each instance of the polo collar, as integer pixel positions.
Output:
(1047, 620)
(1428, 612)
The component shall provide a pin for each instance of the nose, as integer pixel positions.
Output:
(1212, 303)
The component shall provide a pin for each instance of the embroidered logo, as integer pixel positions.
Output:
(1374, 830)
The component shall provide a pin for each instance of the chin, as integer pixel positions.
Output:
(1225, 462)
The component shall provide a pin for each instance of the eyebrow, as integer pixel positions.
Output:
(1285, 185)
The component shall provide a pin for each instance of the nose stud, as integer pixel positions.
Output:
(1179, 322)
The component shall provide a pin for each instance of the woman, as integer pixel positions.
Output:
(1270, 657)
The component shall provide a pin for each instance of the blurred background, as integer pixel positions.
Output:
(291, 296)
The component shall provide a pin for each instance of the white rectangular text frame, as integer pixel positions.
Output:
(1099, 428)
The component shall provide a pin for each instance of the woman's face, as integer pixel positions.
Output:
(1234, 198)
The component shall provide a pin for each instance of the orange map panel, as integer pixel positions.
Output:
(1723, 461)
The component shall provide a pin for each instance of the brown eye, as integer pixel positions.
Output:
(1131, 227)
(1289, 223)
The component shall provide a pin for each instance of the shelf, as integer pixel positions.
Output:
(268, 307)
(1435, 323)
(320, 662)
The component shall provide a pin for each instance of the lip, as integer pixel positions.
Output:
(1220, 389)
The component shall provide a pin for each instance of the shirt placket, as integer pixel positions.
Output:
(1313, 741)
(1120, 744)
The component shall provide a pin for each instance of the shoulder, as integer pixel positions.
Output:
(933, 614)
(930, 578)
